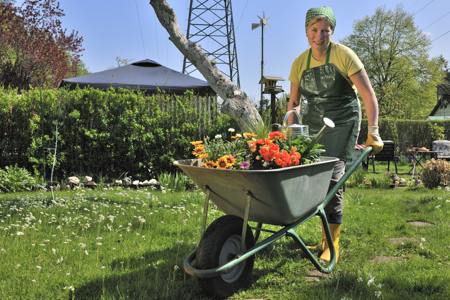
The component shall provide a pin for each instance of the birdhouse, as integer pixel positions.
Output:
(270, 84)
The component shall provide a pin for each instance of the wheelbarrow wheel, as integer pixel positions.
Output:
(221, 243)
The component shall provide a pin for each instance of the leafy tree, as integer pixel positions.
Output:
(34, 48)
(395, 54)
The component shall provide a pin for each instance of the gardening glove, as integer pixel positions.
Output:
(374, 140)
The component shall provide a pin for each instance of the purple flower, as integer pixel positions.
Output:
(245, 165)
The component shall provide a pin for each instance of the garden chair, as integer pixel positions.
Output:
(387, 154)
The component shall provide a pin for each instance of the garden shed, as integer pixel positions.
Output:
(442, 109)
(146, 75)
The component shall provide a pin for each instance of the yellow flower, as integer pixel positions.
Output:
(225, 162)
(199, 151)
(195, 143)
(210, 164)
(249, 135)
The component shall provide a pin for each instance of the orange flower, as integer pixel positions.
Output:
(283, 159)
(295, 158)
(252, 146)
(210, 164)
(277, 135)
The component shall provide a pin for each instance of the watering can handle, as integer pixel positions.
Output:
(286, 117)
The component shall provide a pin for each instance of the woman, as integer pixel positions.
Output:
(325, 76)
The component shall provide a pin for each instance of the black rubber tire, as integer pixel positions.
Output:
(224, 231)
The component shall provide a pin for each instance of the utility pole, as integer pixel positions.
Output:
(262, 22)
(211, 25)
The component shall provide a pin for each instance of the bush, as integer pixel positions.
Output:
(104, 133)
(15, 179)
(435, 173)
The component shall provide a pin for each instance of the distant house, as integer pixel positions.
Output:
(442, 109)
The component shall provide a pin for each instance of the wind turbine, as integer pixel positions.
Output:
(262, 22)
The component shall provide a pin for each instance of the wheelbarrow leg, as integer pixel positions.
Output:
(258, 231)
(205, 213)
(313, 258)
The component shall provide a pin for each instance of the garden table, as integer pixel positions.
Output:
(417, 157)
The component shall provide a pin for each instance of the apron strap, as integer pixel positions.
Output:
(327, 59)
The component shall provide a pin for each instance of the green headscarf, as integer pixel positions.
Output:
(325, 11)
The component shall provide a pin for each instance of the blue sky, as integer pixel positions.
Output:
(130, 30)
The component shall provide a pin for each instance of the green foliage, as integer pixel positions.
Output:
(435, 173)
(395, 54)
(15, 179)
(177, 182)
(310, 151)
(102, 132)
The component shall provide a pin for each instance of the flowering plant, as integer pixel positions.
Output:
(246, 151)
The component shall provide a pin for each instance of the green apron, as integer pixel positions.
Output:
(330, 94)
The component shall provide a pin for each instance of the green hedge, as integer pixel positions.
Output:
(102, 133)
(409, 133)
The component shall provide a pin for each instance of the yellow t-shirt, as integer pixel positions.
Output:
(345, 60)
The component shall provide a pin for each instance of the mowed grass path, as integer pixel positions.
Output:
(130, 244)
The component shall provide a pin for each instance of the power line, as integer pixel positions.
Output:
(242, 13)
(435, 21)
(440, 36)
(140, 27)
(423, 7)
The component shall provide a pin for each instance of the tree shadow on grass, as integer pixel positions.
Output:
(153, 275)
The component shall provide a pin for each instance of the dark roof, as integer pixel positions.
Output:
(443, 97)
(145, 75)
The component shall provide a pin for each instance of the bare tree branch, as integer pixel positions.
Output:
(236, 103)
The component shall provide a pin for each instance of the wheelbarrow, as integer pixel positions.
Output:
(286, 197)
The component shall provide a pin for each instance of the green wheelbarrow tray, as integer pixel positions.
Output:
(285, 197)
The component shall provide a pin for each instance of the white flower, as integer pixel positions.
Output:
(371, 281)
(19, 233)
(39, 268)
(378, 294)
(218, 136)
(231, 130)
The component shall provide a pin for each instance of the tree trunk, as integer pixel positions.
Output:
(235, 102)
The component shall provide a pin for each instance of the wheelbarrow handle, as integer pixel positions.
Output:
(356, 163)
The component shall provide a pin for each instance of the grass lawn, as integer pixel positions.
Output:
(130, 244)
